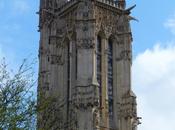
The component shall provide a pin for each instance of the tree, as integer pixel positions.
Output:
(17, 100)
(18, 105)
(49, 113)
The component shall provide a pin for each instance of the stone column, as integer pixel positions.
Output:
(105, 117)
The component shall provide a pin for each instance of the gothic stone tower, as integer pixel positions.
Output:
(85, 58)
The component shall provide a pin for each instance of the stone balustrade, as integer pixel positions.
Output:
(69, 3)
(109, 2)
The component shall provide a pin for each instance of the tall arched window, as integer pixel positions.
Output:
(110, 77)
(99, 66)
(68, 76)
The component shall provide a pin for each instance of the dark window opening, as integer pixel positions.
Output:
(76, 62)
(68, 76)
(99, 66)
(110, 77)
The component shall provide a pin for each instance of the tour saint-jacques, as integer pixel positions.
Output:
(85, 58)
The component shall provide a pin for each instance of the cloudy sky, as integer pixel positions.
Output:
(153, 50)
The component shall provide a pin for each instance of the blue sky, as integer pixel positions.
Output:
(152, 15)
(153, 50)
(18, 29)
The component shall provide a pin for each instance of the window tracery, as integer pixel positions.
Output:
(110, 77)
(99, 66)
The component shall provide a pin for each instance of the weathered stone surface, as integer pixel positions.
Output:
(68, 65)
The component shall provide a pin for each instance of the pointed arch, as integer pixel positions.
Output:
(101, 34)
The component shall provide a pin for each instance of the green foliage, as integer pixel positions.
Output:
(49, 114)
(17, 101)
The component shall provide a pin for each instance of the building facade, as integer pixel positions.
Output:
(85, 58)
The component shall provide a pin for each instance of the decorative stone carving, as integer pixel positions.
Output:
(77, 23)
(123, 25)
(43, 78)
(44, 74)
(124, 55)
(56, 41)
(85, 97)
(128, 109)
(85, 27)
(43, 51)
(56, 59)
(46, 17)
(96, 118)
(86, 43)
(107, 20)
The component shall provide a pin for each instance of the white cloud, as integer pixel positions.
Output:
(154, 83)
(21, 6)
(170, 23)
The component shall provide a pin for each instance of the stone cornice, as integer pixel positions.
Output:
(112, 7)
(67, 7)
